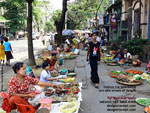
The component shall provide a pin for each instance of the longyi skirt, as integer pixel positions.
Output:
(8, 55)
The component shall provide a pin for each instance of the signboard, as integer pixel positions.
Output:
(113, 21)
(101, 20)
(149, 26)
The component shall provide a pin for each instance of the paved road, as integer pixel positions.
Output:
(20, 49)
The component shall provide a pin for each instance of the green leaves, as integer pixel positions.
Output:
(15, 13)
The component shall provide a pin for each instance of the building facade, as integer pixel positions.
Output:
(136, 14)
(3, 28)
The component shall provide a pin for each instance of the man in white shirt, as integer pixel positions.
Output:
(127, 55)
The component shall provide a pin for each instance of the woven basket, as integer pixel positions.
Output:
(39, 61)
(135, 57)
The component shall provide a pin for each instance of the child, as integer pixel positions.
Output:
(2, 53)
(45, 74)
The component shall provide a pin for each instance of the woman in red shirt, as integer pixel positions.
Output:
(18, 91)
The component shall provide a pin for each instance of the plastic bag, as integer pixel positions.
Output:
(68, 109)
(76, 52)
(35, 101)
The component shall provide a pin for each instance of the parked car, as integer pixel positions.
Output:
(9, 36)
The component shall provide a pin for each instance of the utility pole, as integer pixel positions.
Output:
(139, 33)
(66, 17)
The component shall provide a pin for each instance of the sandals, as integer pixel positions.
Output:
(96, 85)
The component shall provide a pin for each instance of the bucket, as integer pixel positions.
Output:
(46, 103)
(60, 61)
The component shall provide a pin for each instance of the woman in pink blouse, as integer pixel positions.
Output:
(18, 91)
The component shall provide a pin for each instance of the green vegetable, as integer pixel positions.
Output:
(138, 78)
(118, 72)
(145, 102)
(130, 74)
(148, 81)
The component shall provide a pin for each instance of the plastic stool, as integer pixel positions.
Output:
(25, 108)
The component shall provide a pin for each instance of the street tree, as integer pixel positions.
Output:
(60, 23)
(15, 14)
(39, 15)
(29, 29)
(80, 11)
(50, 26)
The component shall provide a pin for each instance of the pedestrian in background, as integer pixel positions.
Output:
(2, 53)
(94, 50)
(43, 39)
(50, 47)
(17, 36)
(0, 38)
(8, 51)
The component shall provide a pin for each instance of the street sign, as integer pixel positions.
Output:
(113, 21)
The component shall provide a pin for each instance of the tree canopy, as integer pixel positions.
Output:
(81, 11)
(15, 14)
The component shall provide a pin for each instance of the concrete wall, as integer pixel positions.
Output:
(144, 18)
(124, 9)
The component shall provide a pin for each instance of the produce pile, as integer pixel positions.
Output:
(134, 72)
(69, 57)
(130, 77)
(147, 109)
(68, 91)
(115, 74)
(143, 101)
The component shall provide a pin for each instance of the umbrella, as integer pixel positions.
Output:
(67, 32)
(87, 31)
(78, 31)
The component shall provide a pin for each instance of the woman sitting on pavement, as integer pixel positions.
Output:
(119, 55)
(127, 56)
(66, 48)
(45, 74)
(54, 64)
(18, 86)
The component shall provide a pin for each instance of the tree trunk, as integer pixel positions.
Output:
(60, 24)
(29, 29)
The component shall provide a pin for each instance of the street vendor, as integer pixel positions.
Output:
(67, 47)
(18, 86)
(127, 56)
(54, 64)
(45, 74)
(119, 55)
(148, 67)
